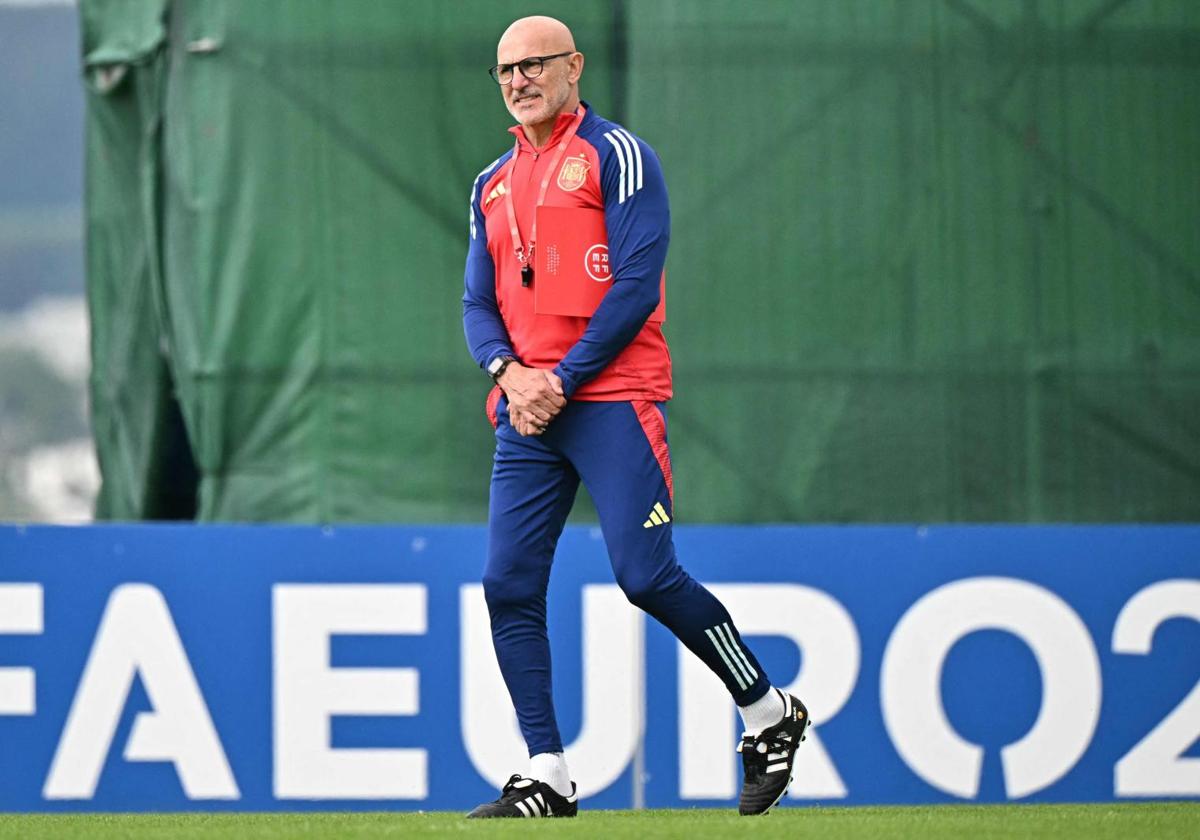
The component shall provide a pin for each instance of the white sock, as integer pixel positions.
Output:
(551, 768)
(765, 711)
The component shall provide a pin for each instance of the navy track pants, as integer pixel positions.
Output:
(619, 450)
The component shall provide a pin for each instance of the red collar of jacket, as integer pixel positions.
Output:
(561, 124)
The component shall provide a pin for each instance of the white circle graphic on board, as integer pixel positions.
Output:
(595, 262)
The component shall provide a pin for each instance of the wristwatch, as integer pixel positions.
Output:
(498, 365)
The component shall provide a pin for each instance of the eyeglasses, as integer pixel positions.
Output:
(530, 67)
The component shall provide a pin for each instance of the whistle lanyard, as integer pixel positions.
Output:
(525, 259)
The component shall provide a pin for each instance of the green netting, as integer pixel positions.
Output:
(134, 416)
(930, 260)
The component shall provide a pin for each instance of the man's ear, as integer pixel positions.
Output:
(575, 67)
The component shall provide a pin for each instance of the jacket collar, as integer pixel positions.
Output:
(561, 124)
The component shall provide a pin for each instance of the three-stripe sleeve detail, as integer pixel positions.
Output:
(629, 158)
(475, 191)
(637, 158)
(630, 173)
(620, 160)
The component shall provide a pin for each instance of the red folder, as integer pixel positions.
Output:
(571, 273)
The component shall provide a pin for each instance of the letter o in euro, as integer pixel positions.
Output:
(910, 684)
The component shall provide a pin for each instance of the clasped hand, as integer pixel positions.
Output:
(535, 397)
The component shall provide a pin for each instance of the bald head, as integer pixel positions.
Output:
(554, 87)
(539, 33)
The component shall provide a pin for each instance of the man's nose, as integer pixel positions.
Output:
(518, 80)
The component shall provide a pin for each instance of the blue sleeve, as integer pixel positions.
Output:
(486, 334)
(638, 219)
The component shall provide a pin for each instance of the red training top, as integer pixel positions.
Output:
(616, 354)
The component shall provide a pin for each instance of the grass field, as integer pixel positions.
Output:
(1127, 821)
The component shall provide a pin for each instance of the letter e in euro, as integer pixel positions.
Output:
(309, 691)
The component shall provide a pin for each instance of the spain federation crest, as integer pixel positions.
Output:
(573, 174)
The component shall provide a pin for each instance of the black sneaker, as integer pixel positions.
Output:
(523, 797)
(767, 758)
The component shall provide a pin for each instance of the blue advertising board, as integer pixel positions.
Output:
(304, 668)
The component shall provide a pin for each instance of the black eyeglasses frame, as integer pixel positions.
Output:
(515, 67)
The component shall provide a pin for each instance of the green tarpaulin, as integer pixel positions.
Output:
(932, 260)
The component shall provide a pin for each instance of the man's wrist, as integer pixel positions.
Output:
(497, 366)
(568, 384)
(507, 374)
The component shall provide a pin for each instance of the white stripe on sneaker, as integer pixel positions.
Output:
(523, 808)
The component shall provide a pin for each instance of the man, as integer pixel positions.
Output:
(582, 398)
